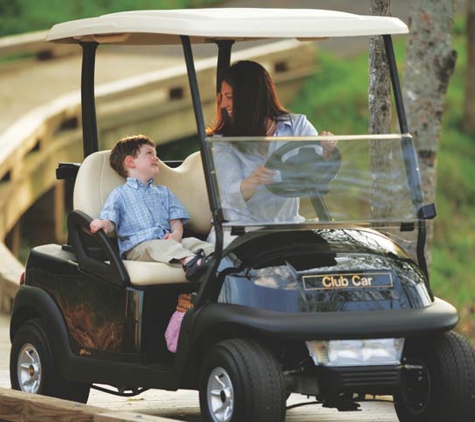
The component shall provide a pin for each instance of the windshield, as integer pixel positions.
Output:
(363, 181)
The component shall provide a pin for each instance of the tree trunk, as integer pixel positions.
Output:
(380, 116)
(430, 61)
(379, 83)
(469, 103)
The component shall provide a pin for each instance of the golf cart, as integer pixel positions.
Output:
(336, 305)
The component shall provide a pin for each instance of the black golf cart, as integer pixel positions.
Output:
(336, 304)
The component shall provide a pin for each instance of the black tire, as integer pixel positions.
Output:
(32, 369)
(242, 381)
(444, 390)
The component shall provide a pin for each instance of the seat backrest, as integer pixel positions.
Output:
(96, 179)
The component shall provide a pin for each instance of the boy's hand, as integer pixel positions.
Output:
(176, 231)
(173, 236)
(98, 224)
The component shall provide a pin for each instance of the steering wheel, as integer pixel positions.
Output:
(302, 170)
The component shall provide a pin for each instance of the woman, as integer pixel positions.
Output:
(248, 106)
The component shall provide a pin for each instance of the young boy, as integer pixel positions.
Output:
(148, 218)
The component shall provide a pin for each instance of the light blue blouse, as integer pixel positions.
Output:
(232, 166)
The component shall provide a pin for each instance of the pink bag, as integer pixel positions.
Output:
(172, 332)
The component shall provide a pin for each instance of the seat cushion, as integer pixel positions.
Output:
(150, 273)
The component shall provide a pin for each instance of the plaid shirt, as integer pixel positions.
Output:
(141, 213)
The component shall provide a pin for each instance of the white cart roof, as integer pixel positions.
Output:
(205, 25)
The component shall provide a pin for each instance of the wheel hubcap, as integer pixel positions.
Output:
(29, 369)
(220, 394)
(416, 388)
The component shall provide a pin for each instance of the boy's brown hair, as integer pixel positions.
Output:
(130, 145)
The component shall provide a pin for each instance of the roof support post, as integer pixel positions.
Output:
(208, 165)
(88, 105)
(407, 142)
(410, 156)
(224, 60)
(388, 44)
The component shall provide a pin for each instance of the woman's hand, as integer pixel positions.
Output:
(327, 145)
(260, 176)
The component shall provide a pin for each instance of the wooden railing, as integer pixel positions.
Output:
(34, 44)
(31, 148)
(19, 406)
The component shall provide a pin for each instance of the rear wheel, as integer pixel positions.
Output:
(32, 369)
(441, 384)
(241, 380)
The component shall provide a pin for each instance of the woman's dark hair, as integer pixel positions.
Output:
(254, 100)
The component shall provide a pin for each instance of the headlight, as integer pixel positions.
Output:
(387, 351)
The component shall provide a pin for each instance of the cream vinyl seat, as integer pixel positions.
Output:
(96, 179)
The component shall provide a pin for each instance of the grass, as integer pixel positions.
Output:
(335, 99)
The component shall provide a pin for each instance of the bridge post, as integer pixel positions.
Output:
(44, 221)
(13, 239)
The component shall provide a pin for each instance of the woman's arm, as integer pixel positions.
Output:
(303, 127)
(229, 173)
(261, 176)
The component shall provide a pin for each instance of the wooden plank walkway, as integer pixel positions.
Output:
(154, 405)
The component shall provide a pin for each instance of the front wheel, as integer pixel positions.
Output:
(32, 369)
(439, 384)
(242, 381)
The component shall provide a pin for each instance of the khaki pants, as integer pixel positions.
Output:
(168, 251)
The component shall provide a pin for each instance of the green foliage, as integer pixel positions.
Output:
(179, 149)
(336, 100)
(18, 16)
(453, 266)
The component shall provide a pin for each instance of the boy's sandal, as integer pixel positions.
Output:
(199, 254)
(194, 269)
